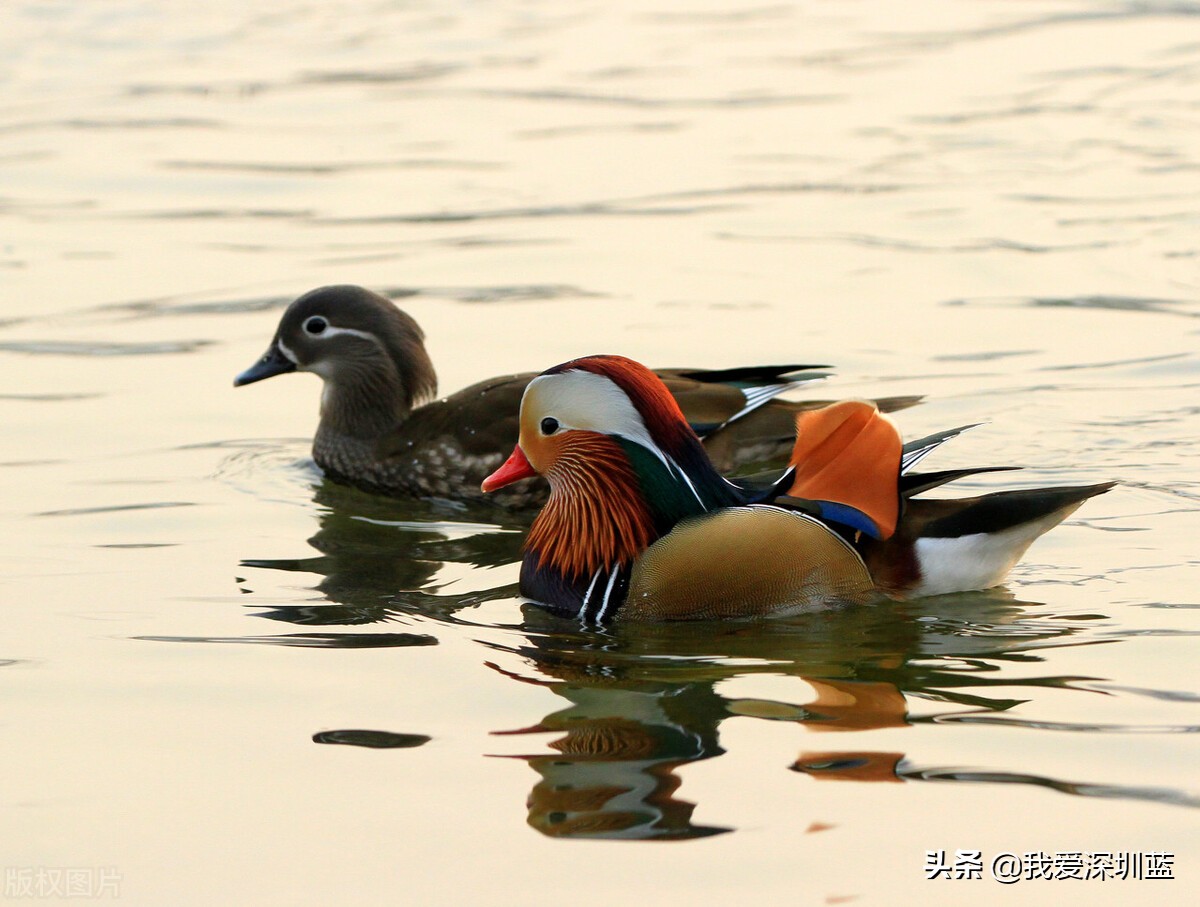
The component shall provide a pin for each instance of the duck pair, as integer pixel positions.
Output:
(382, 430)
(640, 523)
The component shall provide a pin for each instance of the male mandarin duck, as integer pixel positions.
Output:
(382, 430)
(640, 525)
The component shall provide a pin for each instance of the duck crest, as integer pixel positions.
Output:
(660, 412)
(676, 476)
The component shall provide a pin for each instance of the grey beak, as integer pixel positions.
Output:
(272, 363)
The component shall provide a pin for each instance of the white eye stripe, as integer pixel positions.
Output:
(322, 365)
(583, 400)
(331, 331)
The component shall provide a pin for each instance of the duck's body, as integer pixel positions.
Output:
(382, 430)
(640, 525)
(711, 567)
(426, 452)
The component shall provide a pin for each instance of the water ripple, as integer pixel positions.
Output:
(749, 100)
(328, 168)
(418, 72)
(1113, 220)
(1118, 303)
(115, 508)
(1137, 9)
(50, 398)
(1109, 791)
(224, 214)
(1080, 727)
(313, 640)
(1149, 305)
(98, 348)
(1164, 695)
(269, 468)
(985, 244)
(116, 124)
(516, 292)
(169, 306)
(657, 204)
(579, 209)
(720, 17)
(1117, 363)
(1154, 632)
(1004, 113)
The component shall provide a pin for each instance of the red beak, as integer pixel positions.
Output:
(515, 467)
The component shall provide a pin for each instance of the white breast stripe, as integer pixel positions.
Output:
(612, 579)
(588, 595)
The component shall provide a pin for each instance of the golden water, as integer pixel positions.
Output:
(228, 681)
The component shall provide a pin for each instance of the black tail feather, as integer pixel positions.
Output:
(751, 375)
(916, 482)
(1004, 509)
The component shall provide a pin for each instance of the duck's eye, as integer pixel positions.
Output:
(316, 325)
(549, 425)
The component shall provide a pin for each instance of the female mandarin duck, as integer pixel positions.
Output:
(640, 525)
(380, 431)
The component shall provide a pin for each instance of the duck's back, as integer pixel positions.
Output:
(443, 449)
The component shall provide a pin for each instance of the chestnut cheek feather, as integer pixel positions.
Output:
(596, 515)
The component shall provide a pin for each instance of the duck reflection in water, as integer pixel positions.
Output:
(644, 701)
(372, 549)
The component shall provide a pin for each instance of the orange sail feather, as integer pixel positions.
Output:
(849, 453)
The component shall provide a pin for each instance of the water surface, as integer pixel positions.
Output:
(228, 679)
